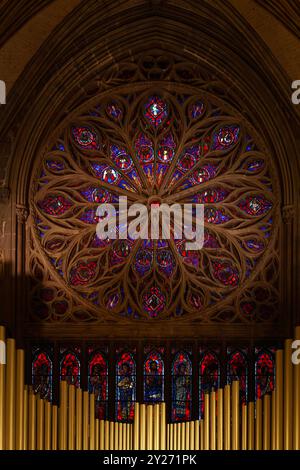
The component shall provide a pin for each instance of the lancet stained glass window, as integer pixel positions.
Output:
(237, 369)
(70, 366)
(181, 387)
(209, 376)
(154, 377)
(125, 387)
(98, 382)
(42, 373)
(264, 371)
(154, 146)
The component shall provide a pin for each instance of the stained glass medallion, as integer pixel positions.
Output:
(147, 145)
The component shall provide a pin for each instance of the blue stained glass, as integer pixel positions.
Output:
(181, 387)
(225, 138)
(153, 378)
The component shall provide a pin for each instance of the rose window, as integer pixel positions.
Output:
(153, 146)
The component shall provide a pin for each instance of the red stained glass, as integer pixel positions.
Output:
(153, 378)
(42, 374)
(264, 372)
(237, 369)
(209, 376)
(98, 383)
(125, 387)
(181, 387)
(70, 368)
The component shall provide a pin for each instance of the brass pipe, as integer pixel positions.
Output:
(296, 401)
(171, 437)
(106, 435)
(244, 427)
(63, 406)
(149, 427)
(279, 399)
(258, 424)
(175, 436)
(156, 427)
(273, 420)
(227, 418)
(187, 435)
(178, 426)
(2, 387)
(20, 377)
(266, 422)
(192, 435)
(54, 426)
(97, 432)
(92, 422)
(212, 420)
(85, 421)
(206, 421)
(78, 418)
(183, 431)
(235, 415)
(71, 418)
(32, 421)
(10, 393)
(250, 426)
(111, 436)
(40, 423)
(201, 434)
(136, 426)
(220, 418)
(25, 420)
(142, 427)
(288, 396)
(116, 432)
(102, 435)
(124, 436)
(121, 443)
(163, 426)
(197, 435)
(47, 425)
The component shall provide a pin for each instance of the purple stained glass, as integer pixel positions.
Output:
(255, 244)
(203, 174)
(98, 195)
(255, 165)
(121, 158)
(225, 137)
(55, 164)
(196, 109)
(248, 308)
(156, 110)
(85, 137)
(106, 173)
(89, 216)
(122, 249)
(144, 149)
(113, 300)
(187, 161)
(83, 273)
(210, 241)
(154, 301)
(215, 216)
(196, 301)
(143, 261)
(255, 205)
(165, 261)
(114, 111)
(226, 273)
(55, 205)
(211, 196)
